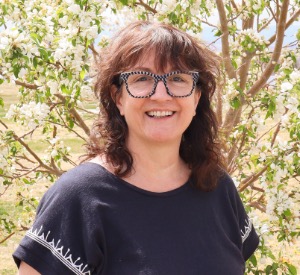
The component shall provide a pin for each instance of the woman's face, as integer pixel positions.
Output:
(160, 118)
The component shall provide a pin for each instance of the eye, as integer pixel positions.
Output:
(142, 78)
(139, 78)
(177, 78)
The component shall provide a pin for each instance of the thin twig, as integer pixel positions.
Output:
(76, 116)
(249, 180)
(294, 17)
(7, 237)
(146, 6)
(5, 189)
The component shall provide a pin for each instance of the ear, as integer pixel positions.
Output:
(116, 94)
(197, 98)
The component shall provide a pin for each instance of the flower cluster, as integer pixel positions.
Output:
(249, 7)
(3, 163)
(249, 41)
(30, 115)
(56, 151)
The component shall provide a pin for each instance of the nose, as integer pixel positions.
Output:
(161, 92)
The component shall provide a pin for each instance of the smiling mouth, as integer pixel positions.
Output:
(160, 113)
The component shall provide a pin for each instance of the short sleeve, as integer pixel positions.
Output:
(66, 236)
(249, 237)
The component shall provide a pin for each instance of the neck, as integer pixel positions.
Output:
(157, 167)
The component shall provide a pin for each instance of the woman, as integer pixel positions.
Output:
(153, 197)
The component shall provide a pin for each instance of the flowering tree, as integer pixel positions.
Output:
(47, 49)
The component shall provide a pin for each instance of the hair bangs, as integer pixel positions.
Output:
(171, 48)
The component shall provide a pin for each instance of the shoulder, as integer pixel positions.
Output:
(226, 184)
(82, 183)
(83, 176)
(227, 194)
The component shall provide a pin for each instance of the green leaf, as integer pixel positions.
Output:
(218, 33)
(44, 53)
(36, 37)
(16, 70)
(277, 67)
(234, 63)
(74, 42)
(298, 34)
(1, 102)
(268, 269)
(65, 90)
(288, 213)
(235, 103)
(82, 74)
(71, 123)
(35, 62)
(26, 181)
(292, 270)
(253, 260)
(271, 108)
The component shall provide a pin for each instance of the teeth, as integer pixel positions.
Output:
(160, 113)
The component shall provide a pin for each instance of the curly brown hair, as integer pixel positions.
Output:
(199, 147)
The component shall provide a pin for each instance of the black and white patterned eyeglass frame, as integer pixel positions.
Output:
(124, 77)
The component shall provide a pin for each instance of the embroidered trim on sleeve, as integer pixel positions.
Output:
(64, 257)
(247, 230)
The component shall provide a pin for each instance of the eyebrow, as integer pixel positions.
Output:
(142, 69)
(149, 70)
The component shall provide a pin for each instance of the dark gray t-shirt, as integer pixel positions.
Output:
(92, 222)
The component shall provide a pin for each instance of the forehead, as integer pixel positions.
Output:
(156, 62)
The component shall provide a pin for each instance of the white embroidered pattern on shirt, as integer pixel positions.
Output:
(247, 230)
(65, 258)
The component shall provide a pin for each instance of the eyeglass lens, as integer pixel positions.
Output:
(180, 84)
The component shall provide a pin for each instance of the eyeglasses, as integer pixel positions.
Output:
(140, 84)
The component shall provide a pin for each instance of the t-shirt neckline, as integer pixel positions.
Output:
(125, 183)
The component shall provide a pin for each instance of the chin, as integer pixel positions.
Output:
(164, 138)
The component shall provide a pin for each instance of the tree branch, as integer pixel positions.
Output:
(244, 69)
(94, 51)
(26, 85)
(257, 205)
(5, 189)
(33, 154)
(146, 6)
(219, 105)
(294, 17)
(234, 5)
(249, 180)
(265, 25)
(207, 23)
(225, 41)
(276, 54)
(76, 116)
(273, 14)
(7, 237)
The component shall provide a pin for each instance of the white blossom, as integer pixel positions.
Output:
(286, 86)
(31, 114)
(74, 8)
